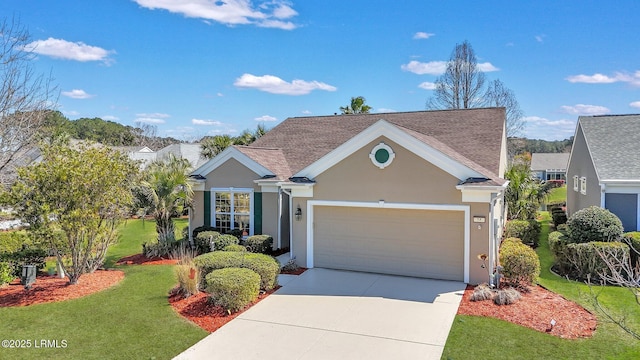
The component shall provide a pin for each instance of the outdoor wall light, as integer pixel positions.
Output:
(298, 213)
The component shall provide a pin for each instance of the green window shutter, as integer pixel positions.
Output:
(257, 213)
(207, 208)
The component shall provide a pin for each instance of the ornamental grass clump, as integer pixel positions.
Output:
(482, 292)
(506, 296)
(233, 288)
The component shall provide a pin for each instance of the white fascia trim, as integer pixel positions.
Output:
(268, 186)
(231, 153)
(395, 134)
(385, 205)
(621, 181)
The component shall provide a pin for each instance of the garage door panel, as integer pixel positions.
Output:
(424, 243)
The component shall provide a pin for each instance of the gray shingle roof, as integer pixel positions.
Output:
(472, 137)
(614, 144)
(545, 161)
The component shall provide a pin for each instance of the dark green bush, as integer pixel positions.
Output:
(526, 230)
(587, 261)
(236, 247)
(233, 288)
(259, 243)
(26, 256)
(236, 232)
(266, 266)
(6, 273)
(558, 246)
(204, 240)
(520, 264)
(562, 228)
(593, 224)
(559, 217)
(12, 241)
(632, 239)
(200, 229)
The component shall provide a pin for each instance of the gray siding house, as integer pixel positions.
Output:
(604, 167)
(549, 166)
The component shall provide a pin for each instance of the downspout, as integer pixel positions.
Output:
(492, 242)
(291, 257)
(603, 191)
(279, 218)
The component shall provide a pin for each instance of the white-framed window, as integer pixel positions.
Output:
(583, 185)
(575, 183)
(232, 209)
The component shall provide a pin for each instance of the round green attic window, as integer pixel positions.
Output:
(382, 155)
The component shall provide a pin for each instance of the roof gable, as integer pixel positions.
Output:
(232, 152)
(544, 161)
(613, 142)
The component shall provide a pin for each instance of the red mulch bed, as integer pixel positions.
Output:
(140, 259)
(298, 271)
(204, 314)
(535, 310)
(50, 288)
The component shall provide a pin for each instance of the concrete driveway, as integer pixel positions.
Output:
(332, 314)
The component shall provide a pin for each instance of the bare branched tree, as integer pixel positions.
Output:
(462, 84)
(498, 95)
(25, 98)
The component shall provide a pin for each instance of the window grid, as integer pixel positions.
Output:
(236, 206)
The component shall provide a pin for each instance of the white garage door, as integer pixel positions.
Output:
(421, 243)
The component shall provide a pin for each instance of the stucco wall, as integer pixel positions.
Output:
(231, 174)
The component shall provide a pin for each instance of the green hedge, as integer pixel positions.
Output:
(259, 243)
(204, 240)
(266, 266)
(632, 239)
(586, 259)
(593, 224)
(200, 229)
(520, 264)
(233, 288)
(6, 273)
(236, 247)
(525, 230)
(223, 241)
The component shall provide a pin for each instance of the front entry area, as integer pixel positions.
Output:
(425, 242)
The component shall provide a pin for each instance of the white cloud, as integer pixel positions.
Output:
(265, 118)
(427, 85)
(541, 128)
(154, 115)
(597, 78)
(540, 38)
(635, 104)
(205, 122)
(422, 35)
(385, 110)
(77, 94)
(307, 112)
(149, 120)
(63, 49)
(420, 68)
(583, 109)
(275, 85)
(110, 118)
(230, 12)
(439, 67)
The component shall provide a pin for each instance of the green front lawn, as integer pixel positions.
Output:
(473, 337)
(557, 195)
(132, 320)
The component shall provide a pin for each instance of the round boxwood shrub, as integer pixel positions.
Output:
(223, 241)
(266, 266)
(259, 243)
(593, 224)
(235, 247)
(200, 229)
(233, 288)
(520, 264)
(204, 241)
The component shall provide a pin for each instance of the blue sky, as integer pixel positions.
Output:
(205, 67)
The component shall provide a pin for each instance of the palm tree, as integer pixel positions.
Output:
(165, 191)
(212, 146)
(524, 193)
(357, 106)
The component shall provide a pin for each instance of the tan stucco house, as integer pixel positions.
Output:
(408, 193)
(604, 169)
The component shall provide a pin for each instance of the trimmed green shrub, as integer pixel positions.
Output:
(632, 239)
(233, 288)
(587, 260)
(236, 232)
(525, 230)
(266, 266)
(200, 229)
(562, 228)
(6, 273)
(259, 243)
(235, 247)
(520, 264)
(223, 241)
(558, 246)
(593, 224)
(204, 240)
(558, 216)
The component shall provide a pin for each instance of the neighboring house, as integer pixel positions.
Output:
(604, 169)
(415, 193)
(549, 166)
(146, 156)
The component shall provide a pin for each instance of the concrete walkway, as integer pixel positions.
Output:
(331, 314)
